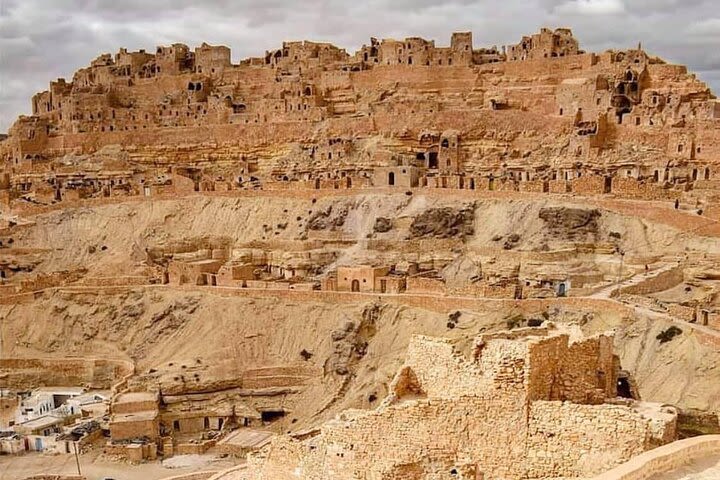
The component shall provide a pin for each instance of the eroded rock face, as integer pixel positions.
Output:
(329, 218)
(444, 222)
(350, 342)
(572, 223)
(382, 225)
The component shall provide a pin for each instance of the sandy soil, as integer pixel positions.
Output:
(97, 467)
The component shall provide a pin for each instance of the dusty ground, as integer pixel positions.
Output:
(75, 238)
(355, 347)
(98, 467)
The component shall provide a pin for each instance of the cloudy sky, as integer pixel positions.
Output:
(44, 39)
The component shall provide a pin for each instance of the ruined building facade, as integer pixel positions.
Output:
(541, 115)
(525, 404)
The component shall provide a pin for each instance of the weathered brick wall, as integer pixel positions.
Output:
(558, 186)
(537, 186)
(441, 371)
(145, 427)
(682, 312)
(589, 185)
(571, 440)
(633, 188)
(355, 447)
(425, 285)
(588, 371)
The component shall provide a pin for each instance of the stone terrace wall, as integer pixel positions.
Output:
(661, 282)
(429, 302)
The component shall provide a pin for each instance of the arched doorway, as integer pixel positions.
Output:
(355, 286)
(561, 290)
(391, 178)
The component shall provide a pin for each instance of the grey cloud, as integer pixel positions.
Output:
(42, 40)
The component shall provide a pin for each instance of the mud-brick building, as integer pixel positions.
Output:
(362, 278)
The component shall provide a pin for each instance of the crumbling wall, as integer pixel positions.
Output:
(571, 440)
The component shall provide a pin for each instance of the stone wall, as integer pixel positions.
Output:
(571, 440)
(658, 283)
(645, 190)
(426, 285)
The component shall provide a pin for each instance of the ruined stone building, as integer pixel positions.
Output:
(524, 404)
(539, 116)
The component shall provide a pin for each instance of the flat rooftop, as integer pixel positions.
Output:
(134, 417)
(73, 391)
(247, 438)
(41, 422)
(132, 397)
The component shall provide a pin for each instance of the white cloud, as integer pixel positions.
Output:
(591, 7)
(705, 27)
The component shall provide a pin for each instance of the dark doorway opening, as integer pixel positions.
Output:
(623, 388)
(433, 160)
(271, 415)
(355, 286)
(391, 178)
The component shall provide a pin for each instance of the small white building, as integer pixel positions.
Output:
(46, 400)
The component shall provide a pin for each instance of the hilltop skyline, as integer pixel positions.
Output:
(40, 43)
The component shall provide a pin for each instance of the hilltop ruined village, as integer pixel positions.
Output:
(407, 262)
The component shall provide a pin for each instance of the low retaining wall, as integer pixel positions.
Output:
(193, 448)
(664, 459)
(658, 283)
(439, 303)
